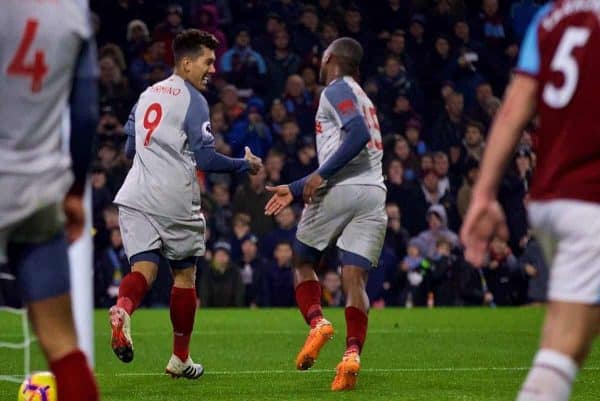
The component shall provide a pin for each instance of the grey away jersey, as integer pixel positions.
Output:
(341, 101)
(40, 43)
(167, 118)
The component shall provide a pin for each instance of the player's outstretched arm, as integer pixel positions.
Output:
(485, 217)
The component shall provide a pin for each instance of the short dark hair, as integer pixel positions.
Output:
(476, 124)
(190, 42)
(348, 53)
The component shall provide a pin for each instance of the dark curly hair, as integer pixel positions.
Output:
(190, 43)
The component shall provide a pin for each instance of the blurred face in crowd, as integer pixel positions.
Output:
(286, 219)
(310, 20)
(426, 162)
(306, 154)
(483, 93)
(107, 155)
(240, 228)
(157, 50)
(473, 136)
(217, 122)
(329, 33)
(352, 19)
(221, 259)
(416, 30)
(173, 18)
(392, 67)
(434, 221)
(294, 86)
(281, 40)
(115, 238)
(430, 182)
(401, 149)
(249, 250)
(412, 135)
(242, 39)
(394, 218)
(137, 33)
(273, 26)
(111, 218)
(472, 175)
(289, 132)
(283, 255)
(396, 172)
(109, 71)
(492, 105)
(309, 77)
(461, 30)
(396, 44)
(274, 163)
(402, 104)
(413, 251)
(455, 104)
(440, 164)
(221, 194)
(527, 139)
(332, 282)
(490, 7)
(278, 112)
(197, 69)
(229, 96)
(442, 47)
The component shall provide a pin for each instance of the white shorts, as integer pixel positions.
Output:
(351, 215)
(176, 239)
(569, 232)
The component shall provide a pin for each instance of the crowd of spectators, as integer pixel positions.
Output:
(435, 70)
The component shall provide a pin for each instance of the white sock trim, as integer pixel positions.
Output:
(561, 364)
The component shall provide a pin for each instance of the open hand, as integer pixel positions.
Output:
(282, 197)
(255, 161)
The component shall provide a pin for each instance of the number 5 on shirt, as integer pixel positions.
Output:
(152, 118)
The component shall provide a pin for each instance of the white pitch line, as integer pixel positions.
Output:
(372, 370)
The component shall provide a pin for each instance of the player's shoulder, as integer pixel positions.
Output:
(77, 15)
(339, 90)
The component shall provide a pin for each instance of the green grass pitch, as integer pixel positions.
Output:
(429, 355)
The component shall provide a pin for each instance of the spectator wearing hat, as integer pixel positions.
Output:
(278, 280)
(221, 281)
(252, 267)
(167, 30)
(412, 133)
(251, 131)
(285, 230)
(208, 20)
(242, 66)
(437, 223)
(138, 38)
(281, 63)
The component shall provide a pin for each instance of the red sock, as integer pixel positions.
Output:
(308, 298)
(132, 291)
(356, 329)
(183, 311)
(74, 378)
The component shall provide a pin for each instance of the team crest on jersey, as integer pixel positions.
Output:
(206, 128)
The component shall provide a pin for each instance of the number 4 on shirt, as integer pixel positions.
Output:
(35, 68)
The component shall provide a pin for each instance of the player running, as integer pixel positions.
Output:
(557, 73)
(47, 63)
(159, 202)
(345, 201)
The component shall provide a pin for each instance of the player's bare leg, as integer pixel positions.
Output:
(568, 333)
(308, 298)
(354, 281)
(132, 290)
(183, 312)
(52, 322)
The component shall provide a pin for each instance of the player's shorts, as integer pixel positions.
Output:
(36, 252)
(176, 239)
(569, 232)
(351, 216)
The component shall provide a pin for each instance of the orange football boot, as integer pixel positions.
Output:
(346, 372)
(316, 339)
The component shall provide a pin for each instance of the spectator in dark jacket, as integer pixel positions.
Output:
(208, 20)
(251, 132)
(446, 275)
(252, 268)
(501, 273)
(278, 280)
(306, 37)
(221, 281)
(167, 30)
(242, 66)
(533, 266)
(450, 126)
(112, 266)
(281, 63)
(251, 199)
(285, 231)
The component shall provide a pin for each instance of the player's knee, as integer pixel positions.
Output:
(146, 269)
(184, 278)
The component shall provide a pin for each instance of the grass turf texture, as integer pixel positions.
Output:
(416, 354)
